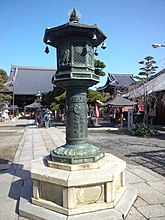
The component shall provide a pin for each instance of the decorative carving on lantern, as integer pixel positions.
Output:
(75, 45)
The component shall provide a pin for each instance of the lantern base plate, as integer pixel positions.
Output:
(76, 154)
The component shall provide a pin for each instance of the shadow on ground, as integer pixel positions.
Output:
(21, 177)
(150, 159)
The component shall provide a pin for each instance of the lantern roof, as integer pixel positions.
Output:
(71, 29)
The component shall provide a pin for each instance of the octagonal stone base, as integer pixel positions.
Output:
(76, 189)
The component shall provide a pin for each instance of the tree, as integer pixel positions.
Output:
(149, 68)
(150, 100)
(99, 66)
(93, 96)
(60, 100)
(50, 97)
(3, 88)
(56, 100)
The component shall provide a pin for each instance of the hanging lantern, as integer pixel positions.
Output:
(103, 46)
(96, 52)
(47, 50)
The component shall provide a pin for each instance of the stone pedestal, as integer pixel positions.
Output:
(77, 189)
(79, 181)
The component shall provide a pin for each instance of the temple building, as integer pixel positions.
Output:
(117, 82)
(25, 82)
(128, 87)
(155, 88)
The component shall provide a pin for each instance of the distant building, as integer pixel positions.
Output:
(134, 90)
(25, 82)
(117, 82)
(155, 84)
(155, 87)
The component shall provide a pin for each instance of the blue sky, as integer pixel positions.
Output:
(131, 26)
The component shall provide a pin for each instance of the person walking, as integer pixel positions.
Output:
(46, 120)
(39, 119)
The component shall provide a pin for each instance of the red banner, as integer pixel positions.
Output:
(97, 110)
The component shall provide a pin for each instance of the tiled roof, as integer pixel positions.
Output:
(118, 101)
(117, 80)
(154, 85)
(30, 80)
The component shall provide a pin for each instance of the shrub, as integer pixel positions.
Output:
(143, 129)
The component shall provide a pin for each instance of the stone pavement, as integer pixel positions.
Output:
(35, 143)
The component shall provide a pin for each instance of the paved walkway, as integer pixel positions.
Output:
(36, 143)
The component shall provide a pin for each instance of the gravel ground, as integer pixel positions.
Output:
(148, 152)
(10, 137)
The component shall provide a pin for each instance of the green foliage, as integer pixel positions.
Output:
(99, 66)
(51, 100)
(54, 106)
(57, 98)
(3, 79)
(149, 67)
(143, 129)
(3, 88)
(61, 99)
(93, 96)
(148, 70)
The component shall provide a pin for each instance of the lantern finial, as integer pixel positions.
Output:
(74, 16)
